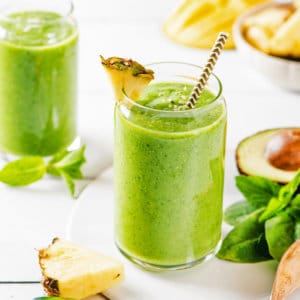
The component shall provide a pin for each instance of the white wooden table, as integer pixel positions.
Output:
(31, 217)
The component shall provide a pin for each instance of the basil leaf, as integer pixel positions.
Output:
(23, 171)
(237, 212)
(257, 190)
(279, 234)
(297, 231)
(246, 242)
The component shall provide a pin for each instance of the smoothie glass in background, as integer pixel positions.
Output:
(38, 75)
(169, 171)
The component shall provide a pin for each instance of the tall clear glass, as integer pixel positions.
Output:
(38, 75)
(169, 174)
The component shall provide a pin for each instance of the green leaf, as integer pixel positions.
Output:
(237, 212)
(296, 201)
(68, 161)
(71, 158)
(69, 181)
(257, 190)
(293, 212)
(279, 234)
(23, 171)
(287, 192)
(297, 231)
(246, 242)
(274, 207)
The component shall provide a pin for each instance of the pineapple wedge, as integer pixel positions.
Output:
(197, 23)
(71, 271)
(127, 76)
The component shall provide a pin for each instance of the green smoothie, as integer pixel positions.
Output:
(38, 54)
(169, 170)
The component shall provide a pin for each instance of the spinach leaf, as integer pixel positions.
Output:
(297, 231)
(279, 234)
(274, 207)
(287, 192)
(296, 201)
(257, 190)
(246, 242)
(237, 212)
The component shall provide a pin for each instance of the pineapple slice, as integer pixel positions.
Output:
(71, 271)
(127, 76)
(196, 23)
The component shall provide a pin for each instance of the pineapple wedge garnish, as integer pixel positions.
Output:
(72, 271)
(127, 77)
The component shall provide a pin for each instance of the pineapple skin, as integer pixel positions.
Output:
(127, 77)
(72, 285)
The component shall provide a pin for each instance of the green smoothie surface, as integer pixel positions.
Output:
(170, 98)
(36, 28)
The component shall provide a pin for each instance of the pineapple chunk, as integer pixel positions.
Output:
(127, 76)
(258, 37)
(275, 30)
(75, 272)
(269, 20)
(286, 41)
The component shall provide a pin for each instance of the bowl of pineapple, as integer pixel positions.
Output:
(268, 36)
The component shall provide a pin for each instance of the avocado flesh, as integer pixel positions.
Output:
(251, 160)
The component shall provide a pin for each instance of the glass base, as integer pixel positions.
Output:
(6, 157)
(158, 268)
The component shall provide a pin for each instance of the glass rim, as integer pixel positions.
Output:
(6, 18)
(217, 97)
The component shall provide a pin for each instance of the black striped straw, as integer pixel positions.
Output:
(208, 68)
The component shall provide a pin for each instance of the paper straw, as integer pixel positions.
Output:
(208, 68)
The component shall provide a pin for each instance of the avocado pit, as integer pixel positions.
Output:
(283, 150)
(272, 153)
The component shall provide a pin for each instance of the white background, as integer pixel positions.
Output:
(30, 217)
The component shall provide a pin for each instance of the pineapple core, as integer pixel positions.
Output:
(72, 271)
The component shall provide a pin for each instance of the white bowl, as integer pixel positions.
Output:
(281, 71)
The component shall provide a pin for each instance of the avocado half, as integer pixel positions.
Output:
(251, 157)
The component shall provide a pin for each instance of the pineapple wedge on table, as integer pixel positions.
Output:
(72, 271)
(127, 76)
